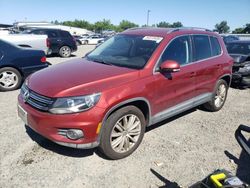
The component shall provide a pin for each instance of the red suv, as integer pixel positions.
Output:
(133, 80)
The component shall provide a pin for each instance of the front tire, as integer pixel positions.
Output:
(218, 98)
(122, 132)
(10, 79)
(65, 51)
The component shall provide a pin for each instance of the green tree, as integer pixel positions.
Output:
(176, 24)
(164, 24)
(238, 30)
(168, 25)
(222, 27)
(103, 25)
(125, 24)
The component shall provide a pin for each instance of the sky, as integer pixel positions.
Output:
(192, 13)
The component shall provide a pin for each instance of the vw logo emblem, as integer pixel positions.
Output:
(26, 96)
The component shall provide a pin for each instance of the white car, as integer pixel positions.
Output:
(93, 39)
(38, 42)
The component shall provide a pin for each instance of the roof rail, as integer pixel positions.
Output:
(135, 28)
(188, 28)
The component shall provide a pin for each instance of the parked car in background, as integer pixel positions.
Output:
(61, 42)
(17, 63)
(133, 80)
(94, 39)
(40, 42)
(230, 38)
(240, 51)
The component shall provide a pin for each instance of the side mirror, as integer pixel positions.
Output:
(170, 66)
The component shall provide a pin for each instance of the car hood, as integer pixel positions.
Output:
(79, 77)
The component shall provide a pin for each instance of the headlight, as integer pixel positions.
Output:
(74, 104)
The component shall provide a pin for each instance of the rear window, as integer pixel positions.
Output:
(216, 49)
(202, 47)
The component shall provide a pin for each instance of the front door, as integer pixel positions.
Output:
(174, 89)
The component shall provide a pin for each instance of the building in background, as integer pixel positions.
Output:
(20, 26)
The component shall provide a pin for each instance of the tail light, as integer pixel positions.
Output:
(43, 59)
(48, 42)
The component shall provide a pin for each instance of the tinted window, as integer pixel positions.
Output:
(52, 34)
(65, 34)
(38, 32)
(178, 50)
(238, 48)
(202, 47)
(216, 50)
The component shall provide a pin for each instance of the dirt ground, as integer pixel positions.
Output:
(183, 149)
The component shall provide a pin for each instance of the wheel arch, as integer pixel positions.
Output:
(139, 102)
(227, 78)
(14, 67)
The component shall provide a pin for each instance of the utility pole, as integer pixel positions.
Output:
(148, 16)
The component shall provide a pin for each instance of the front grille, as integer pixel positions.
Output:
(36, 100)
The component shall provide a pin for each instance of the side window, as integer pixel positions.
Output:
(38, 32)
(52, 34)
(202, 47)
(65, 34)
(216, 49)
(178, 50)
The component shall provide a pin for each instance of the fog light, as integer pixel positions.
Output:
(74, 134)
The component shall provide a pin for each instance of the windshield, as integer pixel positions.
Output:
(130, 51)
(238, 48)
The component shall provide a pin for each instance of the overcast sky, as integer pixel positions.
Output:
(197, 13)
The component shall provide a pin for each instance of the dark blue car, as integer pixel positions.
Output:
(17, 63)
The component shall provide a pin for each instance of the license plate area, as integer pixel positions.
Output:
(22, 114)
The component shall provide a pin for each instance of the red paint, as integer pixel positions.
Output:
(117, 84)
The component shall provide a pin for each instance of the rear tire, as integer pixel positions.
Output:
(65, 51)
(10, 79)
(122, 132)
(218, 98)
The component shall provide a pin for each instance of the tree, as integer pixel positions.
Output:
(164, 24)
(103, 25)
(168, 25)
(125, 24)
(222, 27)
(176, 24)
(238, 30)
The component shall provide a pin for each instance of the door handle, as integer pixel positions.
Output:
(192, 74)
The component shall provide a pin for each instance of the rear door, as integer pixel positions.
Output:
(56, 41)
(171, 89)
(206, 63)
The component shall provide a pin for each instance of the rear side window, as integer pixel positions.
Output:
(202, 47)
(65, 34)
(178, 50)
(38, 32)
(52, 34)
(216, 49)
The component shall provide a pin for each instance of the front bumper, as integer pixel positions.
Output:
(48, 125)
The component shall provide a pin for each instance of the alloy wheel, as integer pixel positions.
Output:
(125, 134)
(8, 79)
(220, 96)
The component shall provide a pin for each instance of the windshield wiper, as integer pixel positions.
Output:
(102, 61)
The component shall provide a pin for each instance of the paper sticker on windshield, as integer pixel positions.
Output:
(153, 38)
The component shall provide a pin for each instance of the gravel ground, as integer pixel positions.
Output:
(183, 149)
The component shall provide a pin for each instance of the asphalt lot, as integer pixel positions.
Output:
(183, 149)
